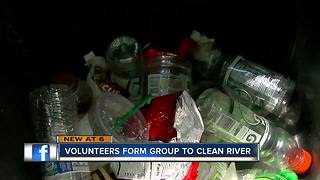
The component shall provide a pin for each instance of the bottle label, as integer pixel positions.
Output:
(161, 84)
(162, 170)
(54, 168)
(134, 89)
(253, 85)
(236, 129)
(242, 132)
(132, 170)
(253, 121)
(150, 170)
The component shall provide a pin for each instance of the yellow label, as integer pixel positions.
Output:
(84, 139)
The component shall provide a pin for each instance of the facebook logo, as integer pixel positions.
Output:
(40, 152)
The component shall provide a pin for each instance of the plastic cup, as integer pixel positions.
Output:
(107, 110)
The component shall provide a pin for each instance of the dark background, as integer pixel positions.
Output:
(40, 39)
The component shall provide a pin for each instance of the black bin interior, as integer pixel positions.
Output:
(38, 40)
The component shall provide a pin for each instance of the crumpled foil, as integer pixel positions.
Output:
(188, 121)
(189, 126)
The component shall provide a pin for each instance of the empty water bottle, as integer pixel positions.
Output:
(262, 90)
(257, 87)
(53, 109)
(232, 122)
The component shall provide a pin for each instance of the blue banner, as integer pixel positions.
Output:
(158, 152)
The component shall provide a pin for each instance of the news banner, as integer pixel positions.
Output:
(101, 148)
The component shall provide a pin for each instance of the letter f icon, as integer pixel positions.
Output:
(43, 151)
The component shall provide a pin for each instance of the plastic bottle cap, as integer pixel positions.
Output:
(289, 175)
(277, 177)
(305, 165)
(269, 176)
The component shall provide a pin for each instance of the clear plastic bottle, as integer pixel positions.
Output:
(218, 170)
(54, 111)
(123, 56)
(232, 122)
(164, 75)
(257, 87)
(80, 88)
(212, 170)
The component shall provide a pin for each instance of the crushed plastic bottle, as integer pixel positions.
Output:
(232, 122)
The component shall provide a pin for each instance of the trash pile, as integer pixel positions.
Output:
(198, 94)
